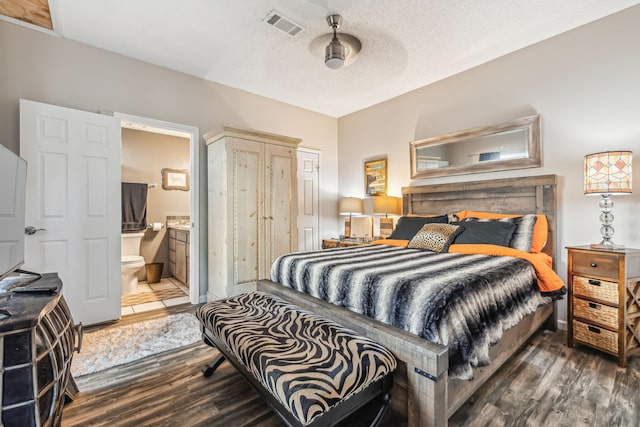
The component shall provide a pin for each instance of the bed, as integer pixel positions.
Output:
(424, 392)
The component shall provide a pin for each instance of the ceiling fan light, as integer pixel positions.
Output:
(334, 54)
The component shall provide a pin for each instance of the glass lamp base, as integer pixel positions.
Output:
(606, 245)
(606, 230)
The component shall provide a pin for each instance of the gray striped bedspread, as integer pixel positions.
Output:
(465, 302)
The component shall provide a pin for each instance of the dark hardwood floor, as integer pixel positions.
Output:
(550, 384)
(546, 384)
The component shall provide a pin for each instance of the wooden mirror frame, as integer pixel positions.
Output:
(533, 159)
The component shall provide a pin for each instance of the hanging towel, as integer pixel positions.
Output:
(134, 206)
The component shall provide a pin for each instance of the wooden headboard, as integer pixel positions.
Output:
(533, 194)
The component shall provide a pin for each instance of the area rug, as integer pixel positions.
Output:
(103, 349)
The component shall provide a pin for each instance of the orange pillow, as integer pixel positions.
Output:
(540, 229)
(391, 242)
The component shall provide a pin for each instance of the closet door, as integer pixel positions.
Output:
(281, 209)
(246, 172)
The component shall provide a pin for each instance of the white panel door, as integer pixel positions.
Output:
(73, 193)
(308, 200)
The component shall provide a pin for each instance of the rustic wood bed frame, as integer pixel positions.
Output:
(422, 391)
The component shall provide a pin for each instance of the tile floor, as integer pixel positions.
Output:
(165, 284)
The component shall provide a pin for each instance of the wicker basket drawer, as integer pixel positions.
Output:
(593, 311)
(596, 264)
(599, 289)
(594, 336)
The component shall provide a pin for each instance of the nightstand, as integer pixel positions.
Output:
(604, 299)
(335, 243)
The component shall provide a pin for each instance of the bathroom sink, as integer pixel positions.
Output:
(184, 227)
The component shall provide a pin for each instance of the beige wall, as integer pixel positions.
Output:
(43, 68)
(584, 83)
(144, 155)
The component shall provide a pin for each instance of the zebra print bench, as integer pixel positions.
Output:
(312, 371)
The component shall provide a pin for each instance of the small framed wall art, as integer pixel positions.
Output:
(375, 177)
(175, 179)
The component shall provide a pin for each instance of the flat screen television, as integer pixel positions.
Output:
(13, 187)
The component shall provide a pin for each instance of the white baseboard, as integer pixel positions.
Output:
(562, 325)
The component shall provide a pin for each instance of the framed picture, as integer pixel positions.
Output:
(375, 177)
(175, 179)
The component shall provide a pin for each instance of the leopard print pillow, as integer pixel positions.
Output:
(435, 237)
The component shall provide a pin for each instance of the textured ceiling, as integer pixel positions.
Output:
(406, 44)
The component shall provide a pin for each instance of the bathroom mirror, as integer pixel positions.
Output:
(513, 145)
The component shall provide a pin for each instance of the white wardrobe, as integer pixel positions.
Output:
(252, 197)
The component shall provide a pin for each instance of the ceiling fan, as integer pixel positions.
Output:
(340, 52)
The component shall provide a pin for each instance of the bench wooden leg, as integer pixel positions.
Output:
(208, 370)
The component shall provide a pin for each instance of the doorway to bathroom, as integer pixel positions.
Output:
(74, 200)
(164, 156)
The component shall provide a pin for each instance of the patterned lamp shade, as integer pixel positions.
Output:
(608, 173)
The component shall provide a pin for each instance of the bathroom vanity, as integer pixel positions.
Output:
(179, 253)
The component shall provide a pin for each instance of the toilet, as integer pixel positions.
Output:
(131, 262)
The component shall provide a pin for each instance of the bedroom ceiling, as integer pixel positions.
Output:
(405, 44)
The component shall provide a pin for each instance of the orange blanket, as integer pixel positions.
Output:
(548, 280)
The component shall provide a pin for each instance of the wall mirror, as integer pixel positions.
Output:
(513, 145)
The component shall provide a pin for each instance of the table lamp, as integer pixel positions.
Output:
(606, 174)
(350, 206)
(385, 205)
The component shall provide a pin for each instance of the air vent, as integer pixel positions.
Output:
(283, 24)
